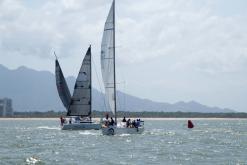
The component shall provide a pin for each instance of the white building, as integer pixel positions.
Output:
(6, 109)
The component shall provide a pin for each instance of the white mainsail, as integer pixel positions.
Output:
(62, 86)
(81, 100)
(108, 59)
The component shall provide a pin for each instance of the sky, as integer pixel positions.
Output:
(166, 50)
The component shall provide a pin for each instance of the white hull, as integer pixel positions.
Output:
(82, 126)
(113, 130)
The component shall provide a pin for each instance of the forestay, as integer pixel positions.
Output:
(107, 59)
(62, 87)
(81, 100)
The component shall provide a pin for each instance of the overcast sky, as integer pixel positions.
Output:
(167, 50)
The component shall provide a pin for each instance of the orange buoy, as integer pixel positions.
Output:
(190, 124)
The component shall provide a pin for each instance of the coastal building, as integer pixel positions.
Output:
(6, 109)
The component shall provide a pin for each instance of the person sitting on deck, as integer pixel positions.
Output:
(128, 123)
(106, 121)
(133, 124)
(77, 119)
(124, 120)
(112, 122)
(138, 122)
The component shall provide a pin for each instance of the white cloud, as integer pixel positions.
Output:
(188, 30)
(186, 37)
(146, 30)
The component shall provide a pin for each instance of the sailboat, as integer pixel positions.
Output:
(109, 75)
(79, 105)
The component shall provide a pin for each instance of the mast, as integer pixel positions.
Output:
(114, 64)
(90, 116)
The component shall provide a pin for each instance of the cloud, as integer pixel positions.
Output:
(145, 30)
(190, 43)
(189, 30)
(63, 26)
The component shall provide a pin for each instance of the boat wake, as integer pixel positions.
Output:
(46, 127)
(88, 133)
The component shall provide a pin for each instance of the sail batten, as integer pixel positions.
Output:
(81, 100)
(62, 86)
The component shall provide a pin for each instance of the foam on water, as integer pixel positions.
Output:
(33, 160)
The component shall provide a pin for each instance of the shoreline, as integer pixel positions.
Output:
(145, 119)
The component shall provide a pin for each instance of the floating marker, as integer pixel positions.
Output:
(190, 124)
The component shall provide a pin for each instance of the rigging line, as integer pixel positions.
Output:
(95, 68)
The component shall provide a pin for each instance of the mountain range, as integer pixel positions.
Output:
(33, 90)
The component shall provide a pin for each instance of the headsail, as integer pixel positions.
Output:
(62, 87)
(81, 100)
(108, 59)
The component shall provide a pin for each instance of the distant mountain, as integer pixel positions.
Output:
(33, 90)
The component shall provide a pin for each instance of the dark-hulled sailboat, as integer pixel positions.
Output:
(79, 106)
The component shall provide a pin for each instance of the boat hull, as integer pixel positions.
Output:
(81, 126)
(121, 130)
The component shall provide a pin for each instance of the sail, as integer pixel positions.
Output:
(62, 87)
(107, 59)
(81, 100)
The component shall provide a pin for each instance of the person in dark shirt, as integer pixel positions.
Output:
(134, 124)
(124, 120)
(112, 121)
(128, 123)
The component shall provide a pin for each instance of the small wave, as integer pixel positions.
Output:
(46, 127)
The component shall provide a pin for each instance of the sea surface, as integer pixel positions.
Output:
(39, 141)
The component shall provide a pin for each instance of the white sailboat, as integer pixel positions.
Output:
(79, 106)
(109, 75)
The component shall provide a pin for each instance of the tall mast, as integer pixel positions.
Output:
(90, 84)
(114, 63)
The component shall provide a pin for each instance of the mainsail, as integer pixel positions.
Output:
(80, 104)
(62, 87)
(108, 59)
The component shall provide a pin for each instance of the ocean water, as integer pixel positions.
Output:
(215, 141)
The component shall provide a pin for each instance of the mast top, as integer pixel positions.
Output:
(55, 55)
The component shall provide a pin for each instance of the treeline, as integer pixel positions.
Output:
(99, 114)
